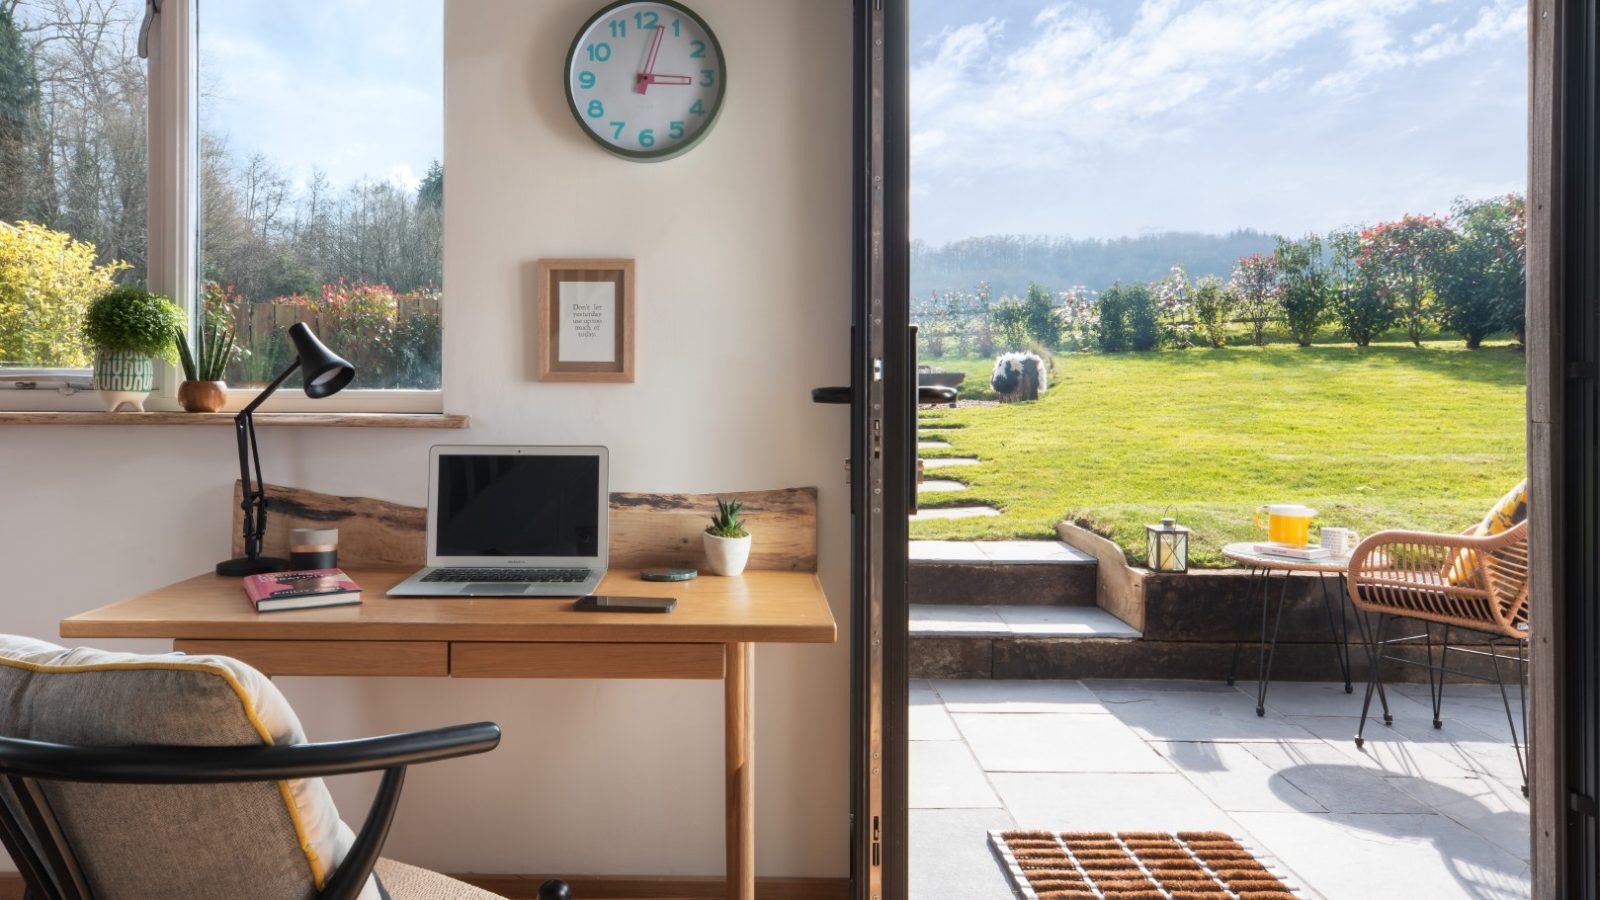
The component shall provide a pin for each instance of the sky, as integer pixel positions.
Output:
(354, 87)
(1108, 118)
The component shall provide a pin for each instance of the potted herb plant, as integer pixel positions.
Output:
(204, 361)
(726, 540)
(128, 327)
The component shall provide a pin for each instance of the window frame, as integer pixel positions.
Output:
(173, 237)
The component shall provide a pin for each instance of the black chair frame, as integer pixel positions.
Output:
(33, 836)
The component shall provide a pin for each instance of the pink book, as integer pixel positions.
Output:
(275, 591)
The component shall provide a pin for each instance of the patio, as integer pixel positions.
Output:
(1419, 813)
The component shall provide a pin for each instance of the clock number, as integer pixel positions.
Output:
(675, 130)
(647, 138)
(698, 109)
(616, 132)
(645, 20)
(708, 77)
(596, 109)
(619, 28)
(586, 79)
(599, 52)
(675, 31)
(699, 49)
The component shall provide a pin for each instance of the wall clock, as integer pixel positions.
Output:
(646, 78)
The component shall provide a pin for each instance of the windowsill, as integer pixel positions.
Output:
(309, 419)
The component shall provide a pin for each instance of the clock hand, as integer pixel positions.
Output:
(647, 77)
(666, 79)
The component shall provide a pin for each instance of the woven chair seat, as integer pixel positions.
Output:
(404, 882)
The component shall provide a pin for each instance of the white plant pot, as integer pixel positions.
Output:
(726, 556)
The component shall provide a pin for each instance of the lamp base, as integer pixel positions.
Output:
(239, 568)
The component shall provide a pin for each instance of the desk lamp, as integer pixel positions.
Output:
(323, 374)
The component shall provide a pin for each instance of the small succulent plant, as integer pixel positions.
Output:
(213, 349)
(727, 523)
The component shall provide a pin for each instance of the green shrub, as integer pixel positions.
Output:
(1481, 277)
(1363, 308)
(1111, 324)
(46, 282)
(1303, 286)
(130, 319)
(1043, 326)
(1009, 319)
(1213, 309)
(1255, 288)
(1129, 319)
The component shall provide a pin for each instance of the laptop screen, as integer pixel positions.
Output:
(517, 505)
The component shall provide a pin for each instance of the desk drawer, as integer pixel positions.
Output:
(330, 657)
(512, 659)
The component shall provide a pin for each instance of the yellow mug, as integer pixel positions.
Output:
(1286, 523)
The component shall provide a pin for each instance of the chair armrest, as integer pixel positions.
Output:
(1375, 546)
(219, 765)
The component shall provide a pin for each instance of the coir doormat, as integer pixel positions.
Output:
(1135, 865)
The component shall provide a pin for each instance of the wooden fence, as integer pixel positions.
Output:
(255, 323)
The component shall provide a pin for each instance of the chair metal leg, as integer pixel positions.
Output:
(1444, 666)
(1505, 700)
(1372, 636)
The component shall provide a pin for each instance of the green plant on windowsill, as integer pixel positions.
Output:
(128, 327)
(203, 389)
(726, 540)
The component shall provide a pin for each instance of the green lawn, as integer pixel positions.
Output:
(1391, 436)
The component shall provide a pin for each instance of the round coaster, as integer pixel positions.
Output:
(668, 574)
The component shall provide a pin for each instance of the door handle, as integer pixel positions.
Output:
(831, 395)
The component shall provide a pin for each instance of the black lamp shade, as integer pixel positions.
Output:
(325, 373)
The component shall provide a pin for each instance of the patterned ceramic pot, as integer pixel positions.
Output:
(123, 378)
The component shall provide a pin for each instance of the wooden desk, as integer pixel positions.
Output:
(710, 635)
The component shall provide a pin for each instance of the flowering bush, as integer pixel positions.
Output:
(47, 280)
(1363, 309)
(1213, 307)
(1255, 289)
(1481, 278)
(1175, 308)
(1079, 315)
(1402, 258)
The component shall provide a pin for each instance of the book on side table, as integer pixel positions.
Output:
(306, 589)
(1307, 553)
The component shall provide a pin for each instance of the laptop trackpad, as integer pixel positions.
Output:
(493, 588)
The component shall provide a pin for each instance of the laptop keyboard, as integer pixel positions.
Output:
(509, 576)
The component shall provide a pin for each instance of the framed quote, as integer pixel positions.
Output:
(585, 320)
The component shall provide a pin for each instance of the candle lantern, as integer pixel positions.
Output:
(1168, 546)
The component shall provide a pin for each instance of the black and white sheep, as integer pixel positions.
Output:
(1019, 376)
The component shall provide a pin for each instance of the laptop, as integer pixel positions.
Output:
(514, 522)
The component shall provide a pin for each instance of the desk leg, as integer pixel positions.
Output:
(739, 790)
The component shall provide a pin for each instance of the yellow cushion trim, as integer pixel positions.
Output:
(1502, 517)
(317, 872)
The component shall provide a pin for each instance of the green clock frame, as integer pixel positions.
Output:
(645, 155)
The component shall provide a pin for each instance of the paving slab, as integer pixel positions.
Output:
(1033, 552)
(1109, 802)
(1174, 685)
(1360, 857)
(945, 776)
(950, 854)
(943, 620)
(1340, 786)
(1235, 779)
(1064, 621)
(926, 444)
(945, 551)
(945, 462)
(954, 512)
(1197, 716)
(1388, 750)
(940, 486)
(1056, 742)
(928, 720)
(1008, 696)
(1314, 698)
(1494, 811)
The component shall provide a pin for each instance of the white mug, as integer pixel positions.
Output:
(1339, 541)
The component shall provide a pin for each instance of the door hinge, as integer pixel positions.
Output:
(1582, 370)
(877, 843)
(1582, 804)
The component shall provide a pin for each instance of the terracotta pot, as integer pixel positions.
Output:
(726, 556)
(202, 396)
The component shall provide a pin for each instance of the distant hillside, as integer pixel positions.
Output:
(1009, 262)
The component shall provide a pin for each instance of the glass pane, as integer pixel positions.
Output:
(72, 170)
(321, 133)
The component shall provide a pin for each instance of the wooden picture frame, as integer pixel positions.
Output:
(585, 320)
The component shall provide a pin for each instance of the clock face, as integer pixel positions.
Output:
(645, 79)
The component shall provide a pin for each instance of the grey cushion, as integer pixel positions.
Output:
(261, 841)
(405, 882)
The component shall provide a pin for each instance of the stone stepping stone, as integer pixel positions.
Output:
(955, 512)
(1079, 622)
(932, 445)
(938, 485)
(939, 426)
(948, 461)
(1000, 552)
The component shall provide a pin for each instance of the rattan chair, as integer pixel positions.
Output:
(1449, 582)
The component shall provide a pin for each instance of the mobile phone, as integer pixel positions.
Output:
(596, 603)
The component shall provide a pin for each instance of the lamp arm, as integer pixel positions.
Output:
(254, 499)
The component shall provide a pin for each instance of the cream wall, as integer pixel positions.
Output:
(743, 250)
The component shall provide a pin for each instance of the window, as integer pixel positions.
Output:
(302, 181)
(321, 190)
(73, 173)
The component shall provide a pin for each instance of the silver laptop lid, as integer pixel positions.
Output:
(518, 506)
